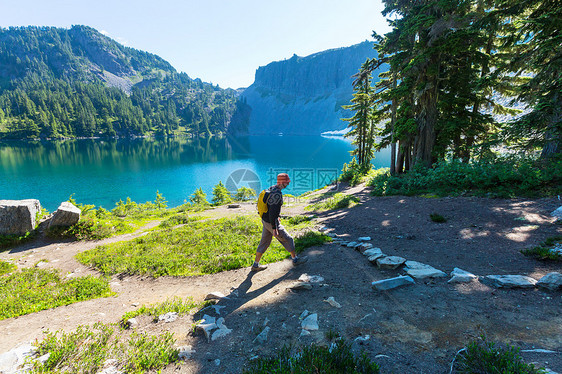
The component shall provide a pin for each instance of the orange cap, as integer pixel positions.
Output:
(283, 178)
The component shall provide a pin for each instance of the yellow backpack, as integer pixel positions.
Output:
(262, 202)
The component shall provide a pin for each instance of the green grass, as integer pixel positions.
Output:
(332, 201)
(86, 349)
(31, 290)
(6, 267)
(542, 251)
(175, 304)
(486, 357)
(314, 359)
(198, 247)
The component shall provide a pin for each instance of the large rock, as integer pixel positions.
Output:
(310, 323)
(508, 281)
(67, 214)
(13, 360)
(18, 216)
(552, 281)
(388, 284)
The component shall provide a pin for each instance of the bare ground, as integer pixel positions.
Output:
(415, 329)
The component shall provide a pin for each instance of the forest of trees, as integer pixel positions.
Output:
(78, 83)
(450, 63)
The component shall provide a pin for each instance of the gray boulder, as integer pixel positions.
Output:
(18, 216)
(552, 281)
(461, 276)
(67, 214)
(388, 284)
(508, 281)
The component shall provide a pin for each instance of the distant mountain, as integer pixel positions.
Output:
(77, 82)
(304, 95)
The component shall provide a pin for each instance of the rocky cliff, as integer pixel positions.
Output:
(304, 95)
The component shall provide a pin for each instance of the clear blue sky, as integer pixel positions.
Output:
(219, 41)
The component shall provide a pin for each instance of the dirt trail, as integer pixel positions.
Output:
(410, 330)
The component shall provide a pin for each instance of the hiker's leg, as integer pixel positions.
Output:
(266, 236)
(286, 240)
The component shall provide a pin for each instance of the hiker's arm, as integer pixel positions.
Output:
(275, 202)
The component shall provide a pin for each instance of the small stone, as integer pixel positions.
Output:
(508, 281)
(311, 278)
(362, 339)
(344, 243)
(262, 336)
(372, 251)
(390, 283)
(557, 213)
(221, 332)
(364, 238)
(330, 300)
(185, 352)
(218, 308)
(304, 314)
(363, 247)
(551, 281)
(352, 244)
(461, 276)
(132, 322)
(374, 258)
(390, 262)
(301, 286)
(217, 362)
(168, 317)
(419, 270)
(216, 296)
(304, 333)
(233, 206)
(310, 322)
(44, 358)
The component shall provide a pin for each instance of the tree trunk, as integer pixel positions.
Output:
(392, 122)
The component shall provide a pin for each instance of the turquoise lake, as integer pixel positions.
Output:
(102, 172)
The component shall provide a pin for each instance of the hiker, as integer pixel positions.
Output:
(269, 213)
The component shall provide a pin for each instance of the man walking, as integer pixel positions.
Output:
(273, 197)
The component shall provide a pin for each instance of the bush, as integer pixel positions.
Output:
(496, 177)
(314, 359)
(6, 267)
(544, 250)
(438, 218)
(199, 197)
(485, 357)
(10, 241)
(175, 304)
(221, 195)
(354, 173)
(335, 201)
(245, 194)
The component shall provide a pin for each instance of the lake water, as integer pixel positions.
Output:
(102, 172)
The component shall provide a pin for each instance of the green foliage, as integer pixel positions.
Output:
(6, 267)
(544, 250)
(438, 218)
(160, 201)
(314, 359)
(9, 241)
(86, 349)
(334, 201)
(498, 177)
(221, 195)
(244, 194)
(198, 247)
(91, 228)
(482, 356)
(32, 290)
(298, 219)
(354, 173)
(175, 304)
(199, 197)
(51, 88)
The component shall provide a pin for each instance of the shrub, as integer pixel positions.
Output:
(175, 304)
(245, 194)
(221, 195)
(438, 218)
(10, 241)
(482, 356)
(335, 201)
(494, 177)
(314, 359)
(354, 173)
(6, 267)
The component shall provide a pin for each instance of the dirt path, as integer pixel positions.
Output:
(416, 329)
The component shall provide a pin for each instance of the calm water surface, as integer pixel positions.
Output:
(102, 172)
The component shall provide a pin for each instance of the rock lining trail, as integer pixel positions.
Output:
(413, 329)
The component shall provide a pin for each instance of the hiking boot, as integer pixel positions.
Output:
(300, 260)
(258, 268)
